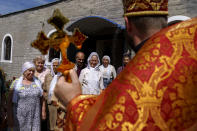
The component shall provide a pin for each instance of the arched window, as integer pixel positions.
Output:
(6, 54)
(52, 53)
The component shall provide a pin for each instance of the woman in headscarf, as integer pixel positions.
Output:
(108, 71)
(26, 93)
(91, 77)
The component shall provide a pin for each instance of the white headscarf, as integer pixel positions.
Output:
(54, 60)
(89, 58)
(106, 57)
(26, 66)
(55, 77)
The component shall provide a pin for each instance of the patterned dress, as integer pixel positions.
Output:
(28, 107)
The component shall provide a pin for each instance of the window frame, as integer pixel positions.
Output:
(3, 50)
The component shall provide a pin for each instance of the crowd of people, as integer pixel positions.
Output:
(31, 103)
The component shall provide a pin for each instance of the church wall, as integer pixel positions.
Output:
(183, 7)
(24, 26)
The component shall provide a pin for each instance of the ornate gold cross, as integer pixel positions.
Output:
(59, 40)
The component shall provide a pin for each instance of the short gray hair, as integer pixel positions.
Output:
(145, 23)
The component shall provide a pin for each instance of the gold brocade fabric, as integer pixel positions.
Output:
(77, 109)
(156, 91)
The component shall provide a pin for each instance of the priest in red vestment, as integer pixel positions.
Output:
(156, 91)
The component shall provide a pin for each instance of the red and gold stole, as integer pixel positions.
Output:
(156, 91)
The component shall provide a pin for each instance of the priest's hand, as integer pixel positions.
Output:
(67, 91)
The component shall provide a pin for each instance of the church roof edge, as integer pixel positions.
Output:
(33, 8)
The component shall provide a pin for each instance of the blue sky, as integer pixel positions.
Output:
(9, 6)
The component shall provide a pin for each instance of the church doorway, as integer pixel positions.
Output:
(104, 37)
